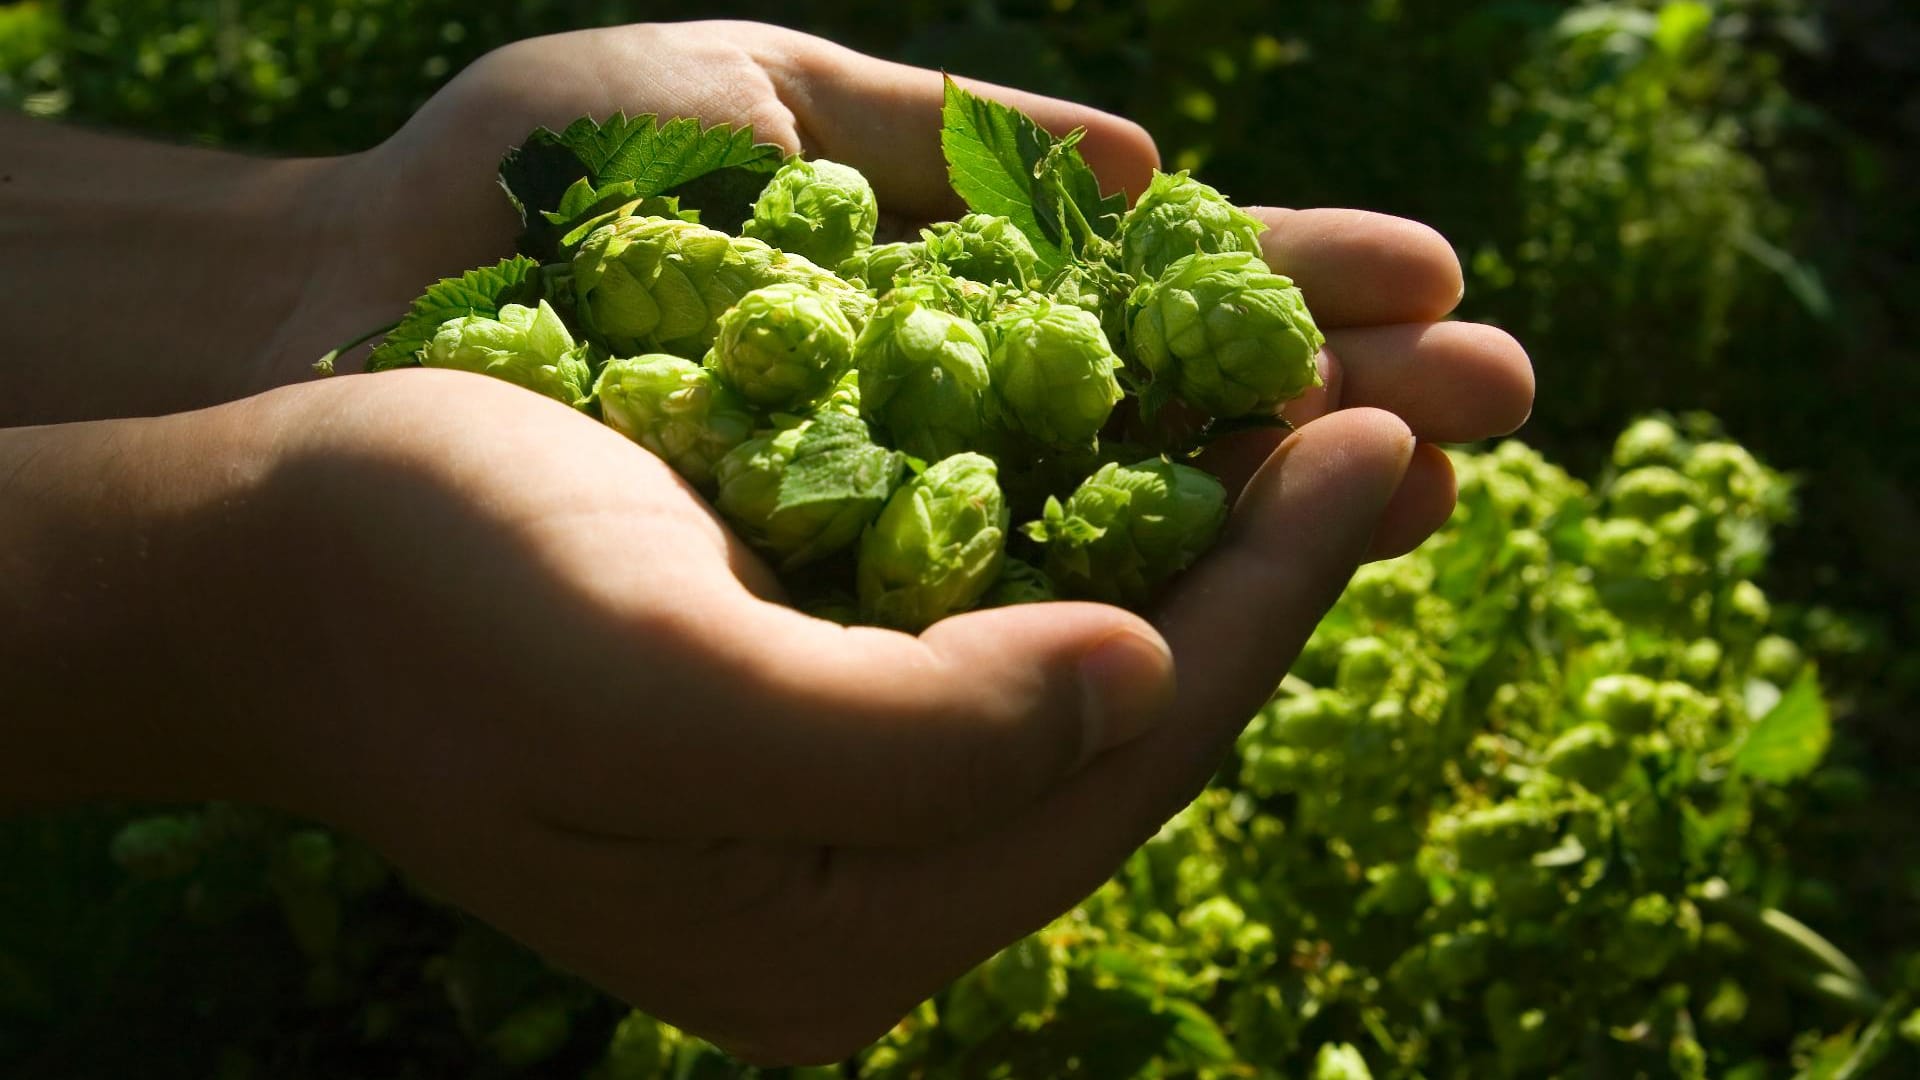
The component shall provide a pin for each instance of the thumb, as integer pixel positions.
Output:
(864, 736)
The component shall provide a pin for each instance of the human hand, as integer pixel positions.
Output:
(512, 650)
(425, 205)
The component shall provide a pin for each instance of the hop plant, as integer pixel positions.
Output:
(937, 547)
(1127, 528)
(984, 248)
(1225, 334)
(1053, 373)
(752, 479)
(526, 346)
(924, 379)
(820, 209)
(783, 347)
(679, 410)
(1179, 216)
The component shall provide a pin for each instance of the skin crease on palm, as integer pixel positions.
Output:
(533, 668)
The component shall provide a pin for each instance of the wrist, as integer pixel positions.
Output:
(111, 537)
(162, 274)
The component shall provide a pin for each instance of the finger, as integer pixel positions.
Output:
(1450, 381)
(861, 735)
(1422, 504)
(884, 118)
(1235, 622)
(1362, 269)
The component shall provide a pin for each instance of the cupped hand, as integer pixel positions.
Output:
(528, 662)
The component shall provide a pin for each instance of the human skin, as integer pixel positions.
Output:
(516, 653)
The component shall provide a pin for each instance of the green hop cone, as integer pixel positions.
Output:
(1179, 216)
(1020, 582)
(646, 283)
(923, 378)
(526, 346)
(803, 492)
(1225, 334)
(820, 209)
(783, 347)
(984, 248)
(1127, 528)
(937, 547)
(679, 410)
(661, 284)
(881, 265)
(1054, 374)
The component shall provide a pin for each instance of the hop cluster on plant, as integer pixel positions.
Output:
(876, 418)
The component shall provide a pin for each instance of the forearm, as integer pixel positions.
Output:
(109, 536)
(146, 278)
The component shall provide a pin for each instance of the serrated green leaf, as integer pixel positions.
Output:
(1001, 162)
(543, 173)
(838, 460)
(1789, 741)
(480, 291)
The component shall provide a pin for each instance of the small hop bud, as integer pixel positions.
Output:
(820, 209)
(675, 408)
(937, 547)
(526, 346)
(1127, 528)
(783, 347)
(1179, 216)
(1225, 334)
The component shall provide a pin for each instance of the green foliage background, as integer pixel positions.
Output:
(1679, 206)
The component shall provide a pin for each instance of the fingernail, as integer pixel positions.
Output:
(1126, 688)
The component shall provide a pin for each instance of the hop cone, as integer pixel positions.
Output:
(923, 378)
(1020, 582)
(820, 209)
(527, 346)
(984, 248)
(1179, 216)
(881, 265)
(661, 284)
(749, 479)
(1225, 334)
(677, 409)
(783, 347)
(1128, 528)
(1053, 372)
(937, 547)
